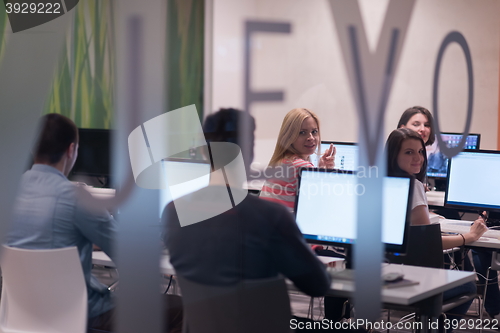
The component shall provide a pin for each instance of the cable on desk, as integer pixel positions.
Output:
(456, 264)
(310, 313)
(484, 277)
(407, 318)
(169, 283)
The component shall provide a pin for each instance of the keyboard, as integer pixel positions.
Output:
(464, 227)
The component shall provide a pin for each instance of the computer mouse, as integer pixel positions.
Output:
(393, 277)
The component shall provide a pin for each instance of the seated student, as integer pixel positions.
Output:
(48, 214)
(420, 120)
(299, 137)
(255, 239)
(406, 156)
(272, 242)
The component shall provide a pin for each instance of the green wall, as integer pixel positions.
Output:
(83, 86)
(185, 54)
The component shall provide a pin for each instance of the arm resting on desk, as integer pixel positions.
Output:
(295, 259)
(477, 229)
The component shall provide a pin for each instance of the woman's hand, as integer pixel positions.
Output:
(327, 161)
(477, 229)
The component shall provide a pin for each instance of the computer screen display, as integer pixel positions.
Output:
(326, 208)
(94, 155)
(474, 180)
(438, 163)
(346, 157)
(179, 170)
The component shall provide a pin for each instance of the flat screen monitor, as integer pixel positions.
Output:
(438, 163)
(326, 208)
(94, 156)
(346, 157)
(474, 180)
(196, 174)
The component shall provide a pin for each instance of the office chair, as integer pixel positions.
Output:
(425, 249)
(43, 291)
(247, 307)
(495, 265)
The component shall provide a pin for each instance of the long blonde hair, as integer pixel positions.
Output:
(289, 132)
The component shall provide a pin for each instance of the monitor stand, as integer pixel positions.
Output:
(440, 184)
(94, 181)
(347, 255)
(493, 219)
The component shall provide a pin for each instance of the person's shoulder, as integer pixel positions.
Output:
(49, 181)
(417, 183)
(266, 206)
(299, 162)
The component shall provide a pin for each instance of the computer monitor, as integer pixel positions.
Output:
(326, 208)
(196, 174)
(346, 157)
(438, 163)
(474, 181)
(94, 154)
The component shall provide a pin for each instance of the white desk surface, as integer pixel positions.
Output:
(432, 281)
(100, 193)
(102, 259)
(491, 240)
(435, 198)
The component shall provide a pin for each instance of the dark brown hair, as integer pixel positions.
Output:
(226, 124)
(57, 133)
(393, 147)
(405, 118)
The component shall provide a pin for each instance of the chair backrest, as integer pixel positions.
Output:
(248, 307)
(495, 260)
(425, 247)
(43, 291)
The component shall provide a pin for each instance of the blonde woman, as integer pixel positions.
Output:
(299, 138)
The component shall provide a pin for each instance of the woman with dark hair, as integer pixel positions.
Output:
(406, 156)
(420, 120)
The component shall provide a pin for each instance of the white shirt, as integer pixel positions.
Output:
(419, 197)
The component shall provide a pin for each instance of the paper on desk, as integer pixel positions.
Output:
(434, 218)
(326, 260)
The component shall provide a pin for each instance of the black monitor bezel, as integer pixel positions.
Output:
(473, 206)
(391, 248)
(453, 133)
(76, 171)
(340, 143)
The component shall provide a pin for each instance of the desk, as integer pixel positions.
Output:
(491, 238)
(433, 281)
(426, 295)
(102, 259)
